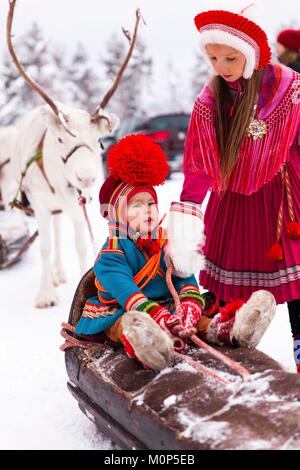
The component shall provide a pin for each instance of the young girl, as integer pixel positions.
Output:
(134, 305)
(243, 143)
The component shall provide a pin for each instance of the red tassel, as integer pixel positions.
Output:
(293, 230)
(230, 309)
(275, 253)
(149, 246)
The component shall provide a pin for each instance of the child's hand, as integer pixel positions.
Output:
(191, 313)
(161, 316)
(169, 323)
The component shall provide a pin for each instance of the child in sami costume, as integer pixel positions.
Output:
(134, 305)
(130, 268)
(243, 143)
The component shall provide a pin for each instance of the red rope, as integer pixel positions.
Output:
(289, 195)
(173, 290)
(231, 363)
(204, 370)
(82, 203)
(71, 341)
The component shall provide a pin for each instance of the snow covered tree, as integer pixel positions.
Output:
(128, 99)
(199, 74)
(36, 58)
(174, 90)
(10, 108)
(82, 80)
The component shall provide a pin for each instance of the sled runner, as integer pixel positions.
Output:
(180, 408)
(14, 238)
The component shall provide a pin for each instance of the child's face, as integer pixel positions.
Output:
(226, 61)
(142, 213)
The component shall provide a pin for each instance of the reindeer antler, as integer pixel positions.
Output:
(96, 116)
(28, 80)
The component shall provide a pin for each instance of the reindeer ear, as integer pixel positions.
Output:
(106, 128)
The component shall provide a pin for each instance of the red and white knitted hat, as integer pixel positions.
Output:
(136, 164)
(235, 26)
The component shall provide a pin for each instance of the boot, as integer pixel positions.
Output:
(144, 340)
(297, 352)
(238, 323)
(253, 319)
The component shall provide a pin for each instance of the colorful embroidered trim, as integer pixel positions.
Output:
(144, 276)
(92, 311)
(186, 209)
(283, 276)
(236, 33)
(140, 303)
(190, 291)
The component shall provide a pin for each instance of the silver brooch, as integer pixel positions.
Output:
(135, 236)
(257, 129)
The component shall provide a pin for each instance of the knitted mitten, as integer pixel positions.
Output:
(191, 313)
(162, 317)
(192, 304)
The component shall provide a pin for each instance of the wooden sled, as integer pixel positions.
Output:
(179, 408)
(14, 238)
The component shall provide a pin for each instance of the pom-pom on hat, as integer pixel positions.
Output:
(290, 38)
(237, 30)
(135, 164)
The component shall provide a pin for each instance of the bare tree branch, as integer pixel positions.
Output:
(97, 114)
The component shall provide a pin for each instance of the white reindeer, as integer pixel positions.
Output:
(68, 139)
(8, 136)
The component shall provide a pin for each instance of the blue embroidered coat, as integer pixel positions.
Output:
(115, 269)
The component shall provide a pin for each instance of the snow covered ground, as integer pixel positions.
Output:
(37, 411)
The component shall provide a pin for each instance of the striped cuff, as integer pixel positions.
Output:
(191, 209)
(139, 302)
(190, 291)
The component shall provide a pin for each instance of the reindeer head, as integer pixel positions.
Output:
(76, 154)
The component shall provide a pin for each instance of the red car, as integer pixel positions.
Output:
(167, 130)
